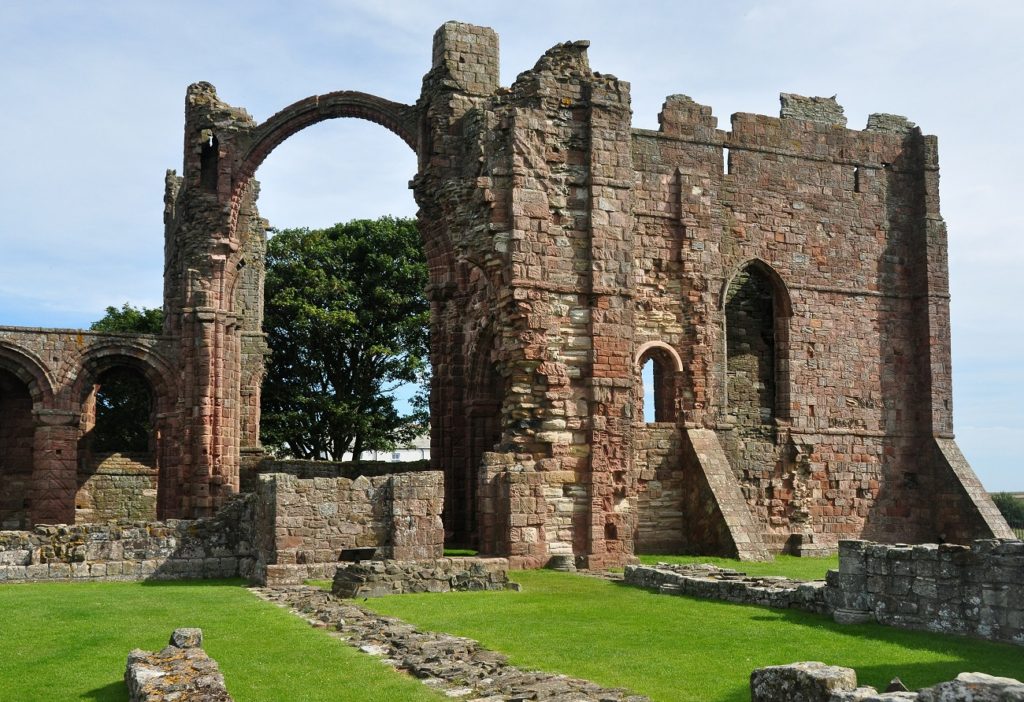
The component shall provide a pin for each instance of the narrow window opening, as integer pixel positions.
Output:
(856, 179)
(657, 391)
(750, 348)
(208, 164)
(725, 161)
(611, 533)
(647, 375)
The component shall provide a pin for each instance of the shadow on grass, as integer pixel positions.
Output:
(114, 692)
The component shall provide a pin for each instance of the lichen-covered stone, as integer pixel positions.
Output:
(180, 672)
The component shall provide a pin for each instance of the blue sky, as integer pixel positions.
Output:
(93, 92)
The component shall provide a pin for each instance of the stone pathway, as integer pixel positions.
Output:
(460, 668)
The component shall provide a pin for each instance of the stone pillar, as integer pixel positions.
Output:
(847, 588)
(612, 382)
(55, 472)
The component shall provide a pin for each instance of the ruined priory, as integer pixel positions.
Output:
(786, 279)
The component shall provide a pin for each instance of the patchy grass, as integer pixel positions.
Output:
(790, 566)
(69, 641)
(679, 648)
(459, 552)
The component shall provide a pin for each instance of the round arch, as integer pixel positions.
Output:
(667, 365)
(395, 117)
(153, 367)
(645, 348)
(30, 369)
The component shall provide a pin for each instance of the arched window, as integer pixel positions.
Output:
(658, 365)
(756, 314)
(118, 475)
(123, 408)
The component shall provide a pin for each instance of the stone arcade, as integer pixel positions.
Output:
(786, 278)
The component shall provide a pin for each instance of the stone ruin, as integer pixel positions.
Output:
(786, 279)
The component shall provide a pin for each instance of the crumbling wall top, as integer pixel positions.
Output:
(812, 109)
(467, 55)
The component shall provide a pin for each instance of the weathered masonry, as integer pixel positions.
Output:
(785, 280)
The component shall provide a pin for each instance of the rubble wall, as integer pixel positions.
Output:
(220, 547)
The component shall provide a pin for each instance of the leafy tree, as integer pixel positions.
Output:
(347, 322)
(123, 404)
(123, 400)
(142, 320)
(1011, 508)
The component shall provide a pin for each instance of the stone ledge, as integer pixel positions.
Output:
(380, 578)
(181, 672)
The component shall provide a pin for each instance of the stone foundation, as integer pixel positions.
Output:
(817, 682)
(457, 667)
(380, 578)
(181, 672)
(713, 583)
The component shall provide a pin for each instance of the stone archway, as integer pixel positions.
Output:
(129, 475)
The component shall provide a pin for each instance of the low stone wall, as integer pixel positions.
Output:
(116, 486)
(306, 527)
(220, 547)
(182, 671)
(713, 583)
(817, 682)
(380, 578)
(976, 590)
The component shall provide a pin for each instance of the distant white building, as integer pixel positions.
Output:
(418, 450)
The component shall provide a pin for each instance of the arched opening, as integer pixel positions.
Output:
(316, 177)
(753, 335)
(657, 453)
(658, 366)
(17, 431)
(118, 474)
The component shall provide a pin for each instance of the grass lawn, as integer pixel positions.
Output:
(69, 641)
(789, 566)
(678, 648)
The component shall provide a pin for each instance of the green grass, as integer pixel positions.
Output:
(789, 566)
(458, 552)
(69, 641)
(678, 648)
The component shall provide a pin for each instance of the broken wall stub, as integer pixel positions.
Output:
(305, 527)
(786, 278)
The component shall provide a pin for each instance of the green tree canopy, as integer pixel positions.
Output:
(142, 320)
(123, 399)
(347, 323)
